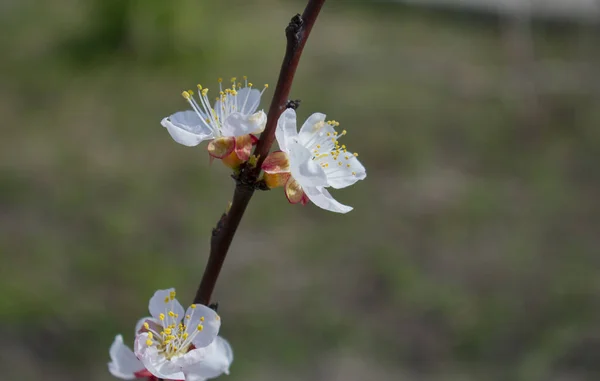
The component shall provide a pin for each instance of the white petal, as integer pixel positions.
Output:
(344, 171)
(314, 131)
(219, 357)
(189, 359)
(123, 363)
(154, 362)
(248, 100)
(186, 127)
(305, 170)
(238, 124)
(210, 321)
(286, 130)
(321, 198)
(162, 303)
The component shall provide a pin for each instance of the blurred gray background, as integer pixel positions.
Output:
(472, 252)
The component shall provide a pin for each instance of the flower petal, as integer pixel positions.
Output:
(286, 130)
(154, 361)
(154, 324)
(238, 124)
(221, 147)
(276, 162)
(187, 128)
(123, 363)
(275, 180)
(304, 169)
(208, 319)
(219, 357)
(344, 171)
(248, 100)
(321, 198)
(189, 359)
(243, 147)
(164, 301)
(293, 191)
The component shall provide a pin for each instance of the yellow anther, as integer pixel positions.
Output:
(150, 335)
(188, 317)
(233, 92)
(200, 327)
(355, 154)
(250, 84)
(186, 95)
(204, 92)
(146, 325)
(172, 294)
(171, 314)
(335, 133)
(340, 163)
(202, 318)
(167, 299)
(220, 80)
(199, 86)
(161, 316)
(185, 335)
(193, 306)
(239, 85)
(245, 77)
(168, 331)
(266, 85)
(233, 79)
(329, 134)
(149, 342)
(348, 165)
(353, 173)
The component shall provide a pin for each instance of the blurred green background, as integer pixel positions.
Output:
(472, 252)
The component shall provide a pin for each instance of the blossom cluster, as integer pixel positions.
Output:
(308, 162)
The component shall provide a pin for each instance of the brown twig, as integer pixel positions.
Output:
(296, 33)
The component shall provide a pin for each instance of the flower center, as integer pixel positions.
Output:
(230, 100)
(328, 152)
(176, 336)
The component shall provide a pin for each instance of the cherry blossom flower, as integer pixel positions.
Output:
(173, 346)
(311, 161)
(228, 125)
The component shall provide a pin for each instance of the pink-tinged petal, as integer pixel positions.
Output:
(243, 147)
(221, 147)
(254, 139)
(286, 131)
(232, 160)
(276, 162)
(187, 128)
(204, 319)
(275, 180)
(293, 191)
(164, 301)
(321, 198)
(154, 361)
(217, 361)
(123, 363)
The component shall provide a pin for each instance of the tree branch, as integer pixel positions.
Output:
(296, 33)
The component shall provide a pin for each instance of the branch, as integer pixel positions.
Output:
(296, 33)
